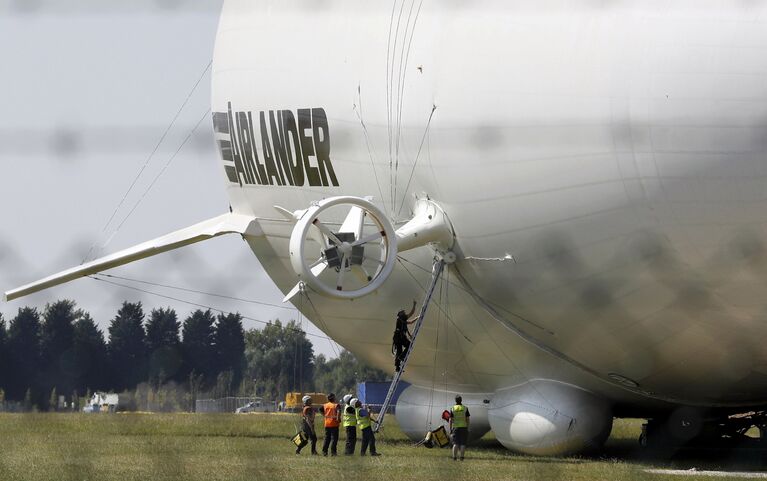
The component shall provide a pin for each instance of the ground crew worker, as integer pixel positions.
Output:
(307, 424)
(332, 412)
(350, 424)
(402, 336)
(364, 421)
(459, 427)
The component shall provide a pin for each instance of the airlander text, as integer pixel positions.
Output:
(287, 149)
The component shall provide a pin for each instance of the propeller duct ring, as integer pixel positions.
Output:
(304, 268)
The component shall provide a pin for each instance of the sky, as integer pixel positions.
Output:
(88, 88)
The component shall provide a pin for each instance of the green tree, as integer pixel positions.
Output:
(197, 347)
(127, 347)
(4, 359)
(279, 359)
(24, 354)
(56, 337)
(223, 387)
(229, 339)
(163, 345)
(195, 385)
(28, 406)
(341, 375)
(90, 360)
(53, 401)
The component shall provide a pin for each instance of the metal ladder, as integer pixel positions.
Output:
(436, 271)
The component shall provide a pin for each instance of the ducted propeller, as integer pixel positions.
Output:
(345, 247)
(345, 259)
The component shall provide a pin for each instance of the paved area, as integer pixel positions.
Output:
(695, 472)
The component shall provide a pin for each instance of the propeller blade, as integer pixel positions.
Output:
(293, 292)
(328, 233)
(317, 236)
(341, 272)
(353, 222)
(317, 269)
(367, 239)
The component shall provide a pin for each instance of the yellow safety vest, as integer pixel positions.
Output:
(459, 416)
(349, 419)
(363, 421)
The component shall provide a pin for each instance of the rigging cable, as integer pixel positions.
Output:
(151, 155)
(194, 291)
(403, 75)
(97, 277)
(388, 96)
(434, 361)
(393, 148)
(417, 156)
(447, 335)
(162, 171)
(400, 259)
(460, 286)
(299, 356)
(324, 326)
(400, 93)
(371, 154)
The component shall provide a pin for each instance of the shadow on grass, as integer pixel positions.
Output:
(488, 450)
(214, 435)
(743, 457)
(749, 456)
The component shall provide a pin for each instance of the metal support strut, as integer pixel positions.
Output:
(436, 271)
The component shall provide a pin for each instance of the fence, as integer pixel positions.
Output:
(12, 407)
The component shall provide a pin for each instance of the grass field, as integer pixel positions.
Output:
(228, 447)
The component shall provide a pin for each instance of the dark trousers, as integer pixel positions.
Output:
(368, 439)
(311, 436)
(351, 439)
(331, 440)
(401, 346)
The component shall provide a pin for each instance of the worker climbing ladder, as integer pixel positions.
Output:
(436, 271)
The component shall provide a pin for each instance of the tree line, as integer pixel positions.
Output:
(60, 351)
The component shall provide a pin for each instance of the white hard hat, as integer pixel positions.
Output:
(306, 399)
(353, 402)
(347, 398)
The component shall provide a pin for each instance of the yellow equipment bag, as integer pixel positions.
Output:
(300, 439)
(439, 437)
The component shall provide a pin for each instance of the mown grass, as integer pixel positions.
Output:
(228, 447)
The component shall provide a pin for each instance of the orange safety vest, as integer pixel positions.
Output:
(331, 415)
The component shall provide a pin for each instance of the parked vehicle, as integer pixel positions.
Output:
(250, 407)
(293, 401)
(102, 403)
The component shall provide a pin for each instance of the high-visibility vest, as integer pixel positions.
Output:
(363, 421)
(350, 419)
(459, 416)
(330, 410)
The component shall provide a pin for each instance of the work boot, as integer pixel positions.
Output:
(375, 454)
